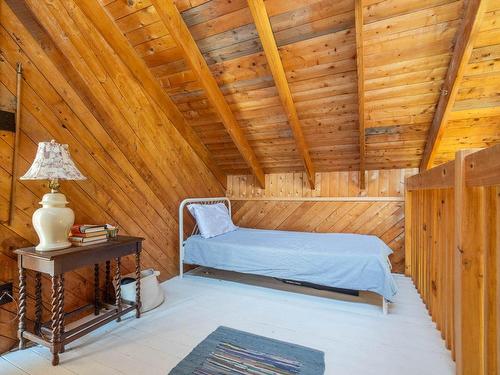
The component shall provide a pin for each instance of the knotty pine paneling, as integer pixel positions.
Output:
(336, 205)
(316, 42)
(432, 216)
(453, 242)
(379, 183)
(77, 91)
(474, 121)
(407, 49)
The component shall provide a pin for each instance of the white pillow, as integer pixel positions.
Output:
(212, 219)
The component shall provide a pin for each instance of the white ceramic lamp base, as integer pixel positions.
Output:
(52, 222)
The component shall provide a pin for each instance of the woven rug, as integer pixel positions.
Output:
(227, 351)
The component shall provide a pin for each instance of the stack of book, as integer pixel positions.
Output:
(86, 235)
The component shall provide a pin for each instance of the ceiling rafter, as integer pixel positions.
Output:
(119, 43)
(462, 51)
(358, 20)
(172, 19)
(261, 19)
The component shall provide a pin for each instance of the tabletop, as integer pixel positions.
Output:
(59, 261)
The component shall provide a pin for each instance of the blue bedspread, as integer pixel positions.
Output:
(349, 261)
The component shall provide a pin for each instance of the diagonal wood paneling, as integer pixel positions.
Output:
(173, 21)
(337, 204)
(77, 91)
(383, 219)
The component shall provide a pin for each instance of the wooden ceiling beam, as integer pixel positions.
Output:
(358, 20)
(464, 44)
(119, 43)
(172, 19)
(261, 19)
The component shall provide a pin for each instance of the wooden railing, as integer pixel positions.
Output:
(453, 254)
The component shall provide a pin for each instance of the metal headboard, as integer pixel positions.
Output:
(185, 203)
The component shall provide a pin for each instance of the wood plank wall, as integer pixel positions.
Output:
(335, 205)
(453, 242)
(138, 167)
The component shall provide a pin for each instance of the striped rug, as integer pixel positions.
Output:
(227, 351)
(229, 358)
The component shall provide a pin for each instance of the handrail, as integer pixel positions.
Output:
(440, 177)
(452, 226)
(483, 168)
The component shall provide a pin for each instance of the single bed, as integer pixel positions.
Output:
(338, 260)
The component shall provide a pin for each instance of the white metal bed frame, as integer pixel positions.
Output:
(183, 204)
(195, 230)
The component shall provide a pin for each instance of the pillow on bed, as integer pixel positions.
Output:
(212, 219)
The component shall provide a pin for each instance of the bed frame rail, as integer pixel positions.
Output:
(182, 237)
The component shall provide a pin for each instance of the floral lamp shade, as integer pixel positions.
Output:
(52, 222)
(53, 162)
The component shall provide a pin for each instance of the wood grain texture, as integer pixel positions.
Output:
(138, 68)
(405, 64)
(440, 177)
(337, 204)
(383, 183)
(111, 79)
(430, 230)
(360, 68)
(482, 167)
(407, 46)
(261, 19)
(171, 18)
(77, 91)
(452, 240)
(474, 117)
(464, 43)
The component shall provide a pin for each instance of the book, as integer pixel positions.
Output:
(87, 228)
(89, 235)
(89, 243)
(88, 239)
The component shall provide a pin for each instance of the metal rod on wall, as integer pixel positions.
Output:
(19, 76)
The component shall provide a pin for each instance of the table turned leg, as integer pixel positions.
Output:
(96, 289)
(60, 311)
(107, 282)
(22, 307)
(138, 282)
(118, 289)
(54, 340)
(38, 302)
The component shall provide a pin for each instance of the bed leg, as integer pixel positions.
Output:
(385, 306)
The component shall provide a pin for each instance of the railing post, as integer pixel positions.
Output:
(468, 272)
(408, 231)
(492, 281)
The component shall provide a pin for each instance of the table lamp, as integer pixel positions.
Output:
(53, 221)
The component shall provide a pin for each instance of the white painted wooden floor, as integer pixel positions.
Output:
(355, 336)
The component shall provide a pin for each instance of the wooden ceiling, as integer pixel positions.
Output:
(230, 90)
(474, 119)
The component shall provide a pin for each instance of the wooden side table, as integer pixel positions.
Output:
(55, 263)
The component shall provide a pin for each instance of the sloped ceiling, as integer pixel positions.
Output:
(475, 116)
(407, 45)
